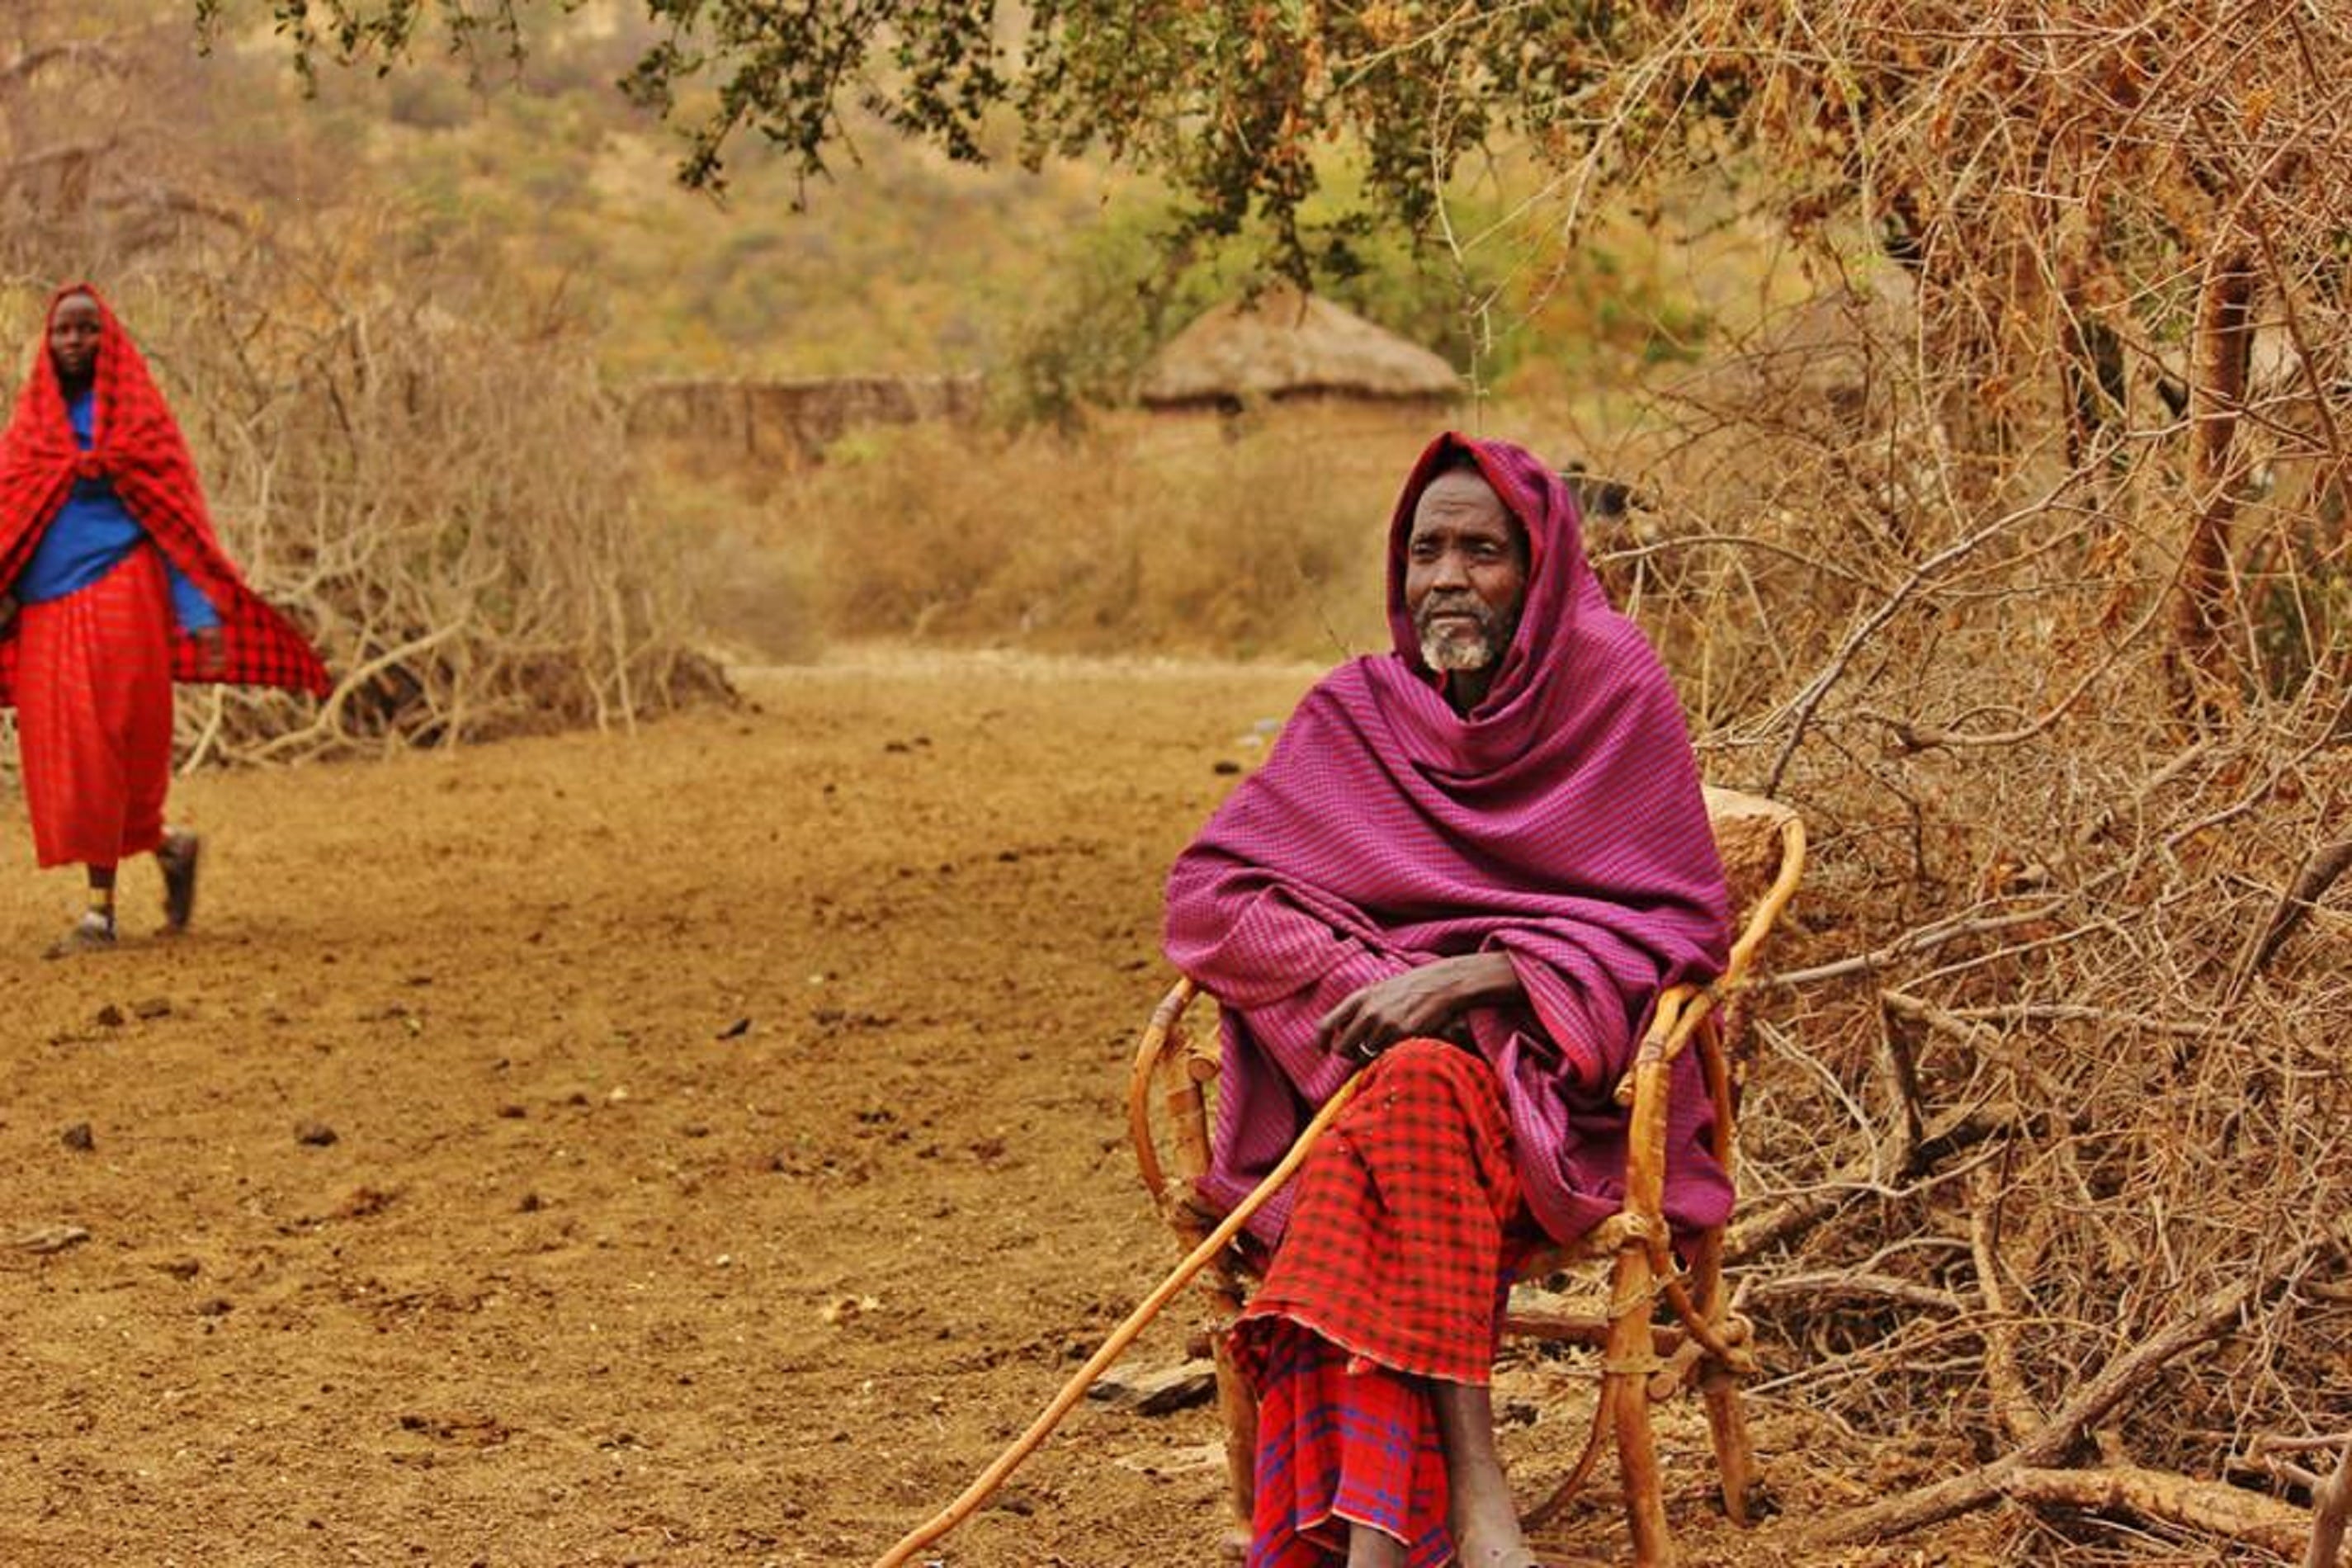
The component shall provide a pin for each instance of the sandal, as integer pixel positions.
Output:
(92, 933)
(177, 855)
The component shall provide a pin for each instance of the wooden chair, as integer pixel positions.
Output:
(1646, 1354)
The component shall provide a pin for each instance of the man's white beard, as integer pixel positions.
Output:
(1457, 648)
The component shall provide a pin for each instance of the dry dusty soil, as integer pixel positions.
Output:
(697, 1146)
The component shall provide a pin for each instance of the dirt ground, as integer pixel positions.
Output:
(698, 1146)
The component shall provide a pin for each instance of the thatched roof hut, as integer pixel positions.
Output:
(1285, 343)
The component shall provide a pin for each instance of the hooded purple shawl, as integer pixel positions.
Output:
(1561, 823)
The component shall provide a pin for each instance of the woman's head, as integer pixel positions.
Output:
(77, 326)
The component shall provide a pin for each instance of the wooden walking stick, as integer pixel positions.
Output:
(1200, 1258)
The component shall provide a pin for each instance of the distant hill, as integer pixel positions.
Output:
(906, 263)
(540, 182)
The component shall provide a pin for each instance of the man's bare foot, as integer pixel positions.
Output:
(92, 933)
(1517, 1556)
(1484, 1520)
(177, 855)
(1486, 1534)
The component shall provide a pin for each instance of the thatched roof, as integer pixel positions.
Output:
(1285, 343)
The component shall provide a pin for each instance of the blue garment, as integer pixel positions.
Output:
(91, 533)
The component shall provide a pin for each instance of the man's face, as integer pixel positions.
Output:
(74, 331)
(1465, 574)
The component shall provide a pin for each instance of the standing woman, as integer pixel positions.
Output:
(112, 584)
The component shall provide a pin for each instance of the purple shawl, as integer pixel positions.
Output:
(1561, 823)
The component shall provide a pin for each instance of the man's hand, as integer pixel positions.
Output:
(1427, 999)
(7, 612)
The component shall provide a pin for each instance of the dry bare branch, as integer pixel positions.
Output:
(2207, 1507)
(2331, 1506)
(2011, 1398)
(2123, 1376)
(2319, 873)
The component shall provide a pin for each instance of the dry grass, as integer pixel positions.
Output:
(1177, 534)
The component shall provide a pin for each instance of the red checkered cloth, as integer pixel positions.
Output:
(94, 722)
(1406, 1215)
(138, 447)
(1340, 1445)
(1395, 1268)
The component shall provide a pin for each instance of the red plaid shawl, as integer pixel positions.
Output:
(138, 446)
(1408, 1220)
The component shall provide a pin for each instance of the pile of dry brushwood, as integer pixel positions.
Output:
(448, 506)
(2020, 561)
(2048, 1130)
(2020, 565)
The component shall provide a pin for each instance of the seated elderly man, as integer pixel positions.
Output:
(1468, 869)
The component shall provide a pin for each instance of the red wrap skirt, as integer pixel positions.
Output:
(1394, 1270)
(94, 715)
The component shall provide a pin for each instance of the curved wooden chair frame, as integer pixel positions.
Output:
(1645, 1355)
